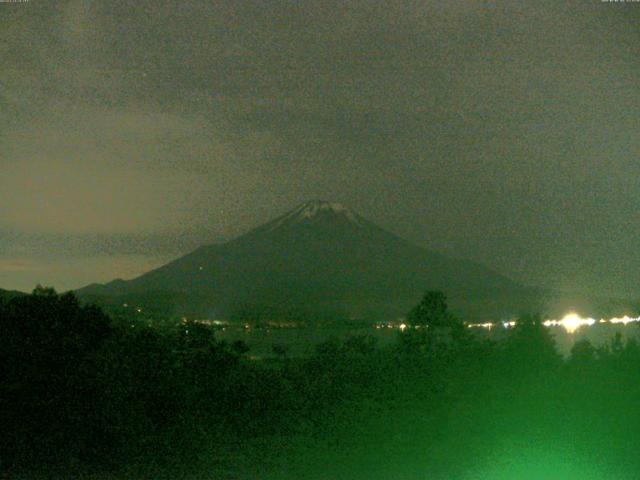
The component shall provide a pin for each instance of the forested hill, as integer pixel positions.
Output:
(6, 295)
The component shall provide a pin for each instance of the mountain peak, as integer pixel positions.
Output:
(314, 209)
(318, 261)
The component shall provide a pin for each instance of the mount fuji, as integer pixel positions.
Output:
(319, 261)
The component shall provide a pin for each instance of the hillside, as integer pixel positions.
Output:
(320, 260)
(6, 295)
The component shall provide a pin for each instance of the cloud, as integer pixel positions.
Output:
(505, 132)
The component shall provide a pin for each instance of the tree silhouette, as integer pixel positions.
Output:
(431, 311)
(583, 353)
(438, 328)
(531, 345)
(49, 344)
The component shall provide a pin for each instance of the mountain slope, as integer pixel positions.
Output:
(320, 259)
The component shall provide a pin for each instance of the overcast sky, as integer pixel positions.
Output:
(505, 132)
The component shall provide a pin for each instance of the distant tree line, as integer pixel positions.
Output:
(83, 394)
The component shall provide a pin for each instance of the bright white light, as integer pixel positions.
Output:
(571, 322)
(487, 325)
(403, 327)
(624, 320)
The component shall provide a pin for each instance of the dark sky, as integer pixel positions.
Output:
(506, 132)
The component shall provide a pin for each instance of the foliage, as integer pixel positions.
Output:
(531, 346)
(84, 395)
(432, 311)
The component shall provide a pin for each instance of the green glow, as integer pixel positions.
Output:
(540, 464)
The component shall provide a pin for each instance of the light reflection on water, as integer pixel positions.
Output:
(570, 322)
(302, 341)
(573, 328)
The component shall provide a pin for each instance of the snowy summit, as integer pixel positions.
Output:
(312, 209)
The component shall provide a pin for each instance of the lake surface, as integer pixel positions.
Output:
(302, 341)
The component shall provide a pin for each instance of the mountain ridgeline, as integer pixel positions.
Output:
(318, 261)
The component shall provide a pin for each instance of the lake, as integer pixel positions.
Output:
(302, 341)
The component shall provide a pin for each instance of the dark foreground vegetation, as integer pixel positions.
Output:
(84, 396)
